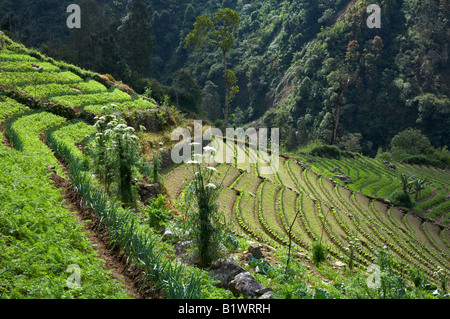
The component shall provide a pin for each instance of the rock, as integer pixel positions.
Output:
(346, 179)
(225, 271)
(152, 188)
(244, 284)
(337, 170)
(267, 295)
(263, 291)
(247, 255)
(182, 253)
(311, 160)
(339, 264)
(256, 251)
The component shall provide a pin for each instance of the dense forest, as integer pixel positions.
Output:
(313, 68)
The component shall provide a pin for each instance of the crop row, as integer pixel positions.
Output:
(40, 238)
(15, 79)
(266, 198)
(50, 90)
(283, 216)
(24, 66)
(249, 230)
(24, 131)
(125, 230)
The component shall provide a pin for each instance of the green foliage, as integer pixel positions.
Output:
(157, 213)
(262, 267)
(29, 212)
(217, 33)
(200, 200)
(156, 166)
(127, 233)
(319, 252)
(410, 141)
(401, 198)
(417, 276)
(329, 151)
(116, 154)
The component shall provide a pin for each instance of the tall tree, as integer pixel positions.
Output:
(217, 33)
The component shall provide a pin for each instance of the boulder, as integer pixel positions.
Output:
(337, 170)
(244, 284)
(151, 188)
(346, 179)
(256, 251)
(225, 271)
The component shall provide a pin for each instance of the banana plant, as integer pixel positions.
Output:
(418, 185)
(406, 182)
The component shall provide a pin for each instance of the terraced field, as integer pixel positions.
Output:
(328, 210)
(39, 152)
(379, 180)
(51, 81)
(302, 201)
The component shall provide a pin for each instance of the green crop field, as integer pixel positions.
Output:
(303, 202)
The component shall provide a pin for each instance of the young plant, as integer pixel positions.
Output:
(156, 165)
(126, 149)
(319, 252)
(157, 213)
(116, 153)
(201, 204)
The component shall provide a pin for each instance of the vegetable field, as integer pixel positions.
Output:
(302, 203)
(329, 211)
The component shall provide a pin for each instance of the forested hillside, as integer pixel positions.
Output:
(291, 59)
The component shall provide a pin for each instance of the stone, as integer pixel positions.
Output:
(346, 179)
(152, 188)
(225, 271)
(263, 291)
(267, 295)
(337, 170)
(256, 251)
(339, 264)
(244, 284)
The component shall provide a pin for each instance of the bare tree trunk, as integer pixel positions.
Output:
(227, 95)
(337, 114)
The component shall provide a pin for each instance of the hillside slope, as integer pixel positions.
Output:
(66, 101)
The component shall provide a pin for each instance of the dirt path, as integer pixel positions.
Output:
(6, 139)
(98, 237)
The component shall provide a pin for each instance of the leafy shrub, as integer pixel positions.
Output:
(401, 198)
(319, 252)
(424, 160)
(157, 213)
(417, 276)
(329, 151)
(263, 267)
